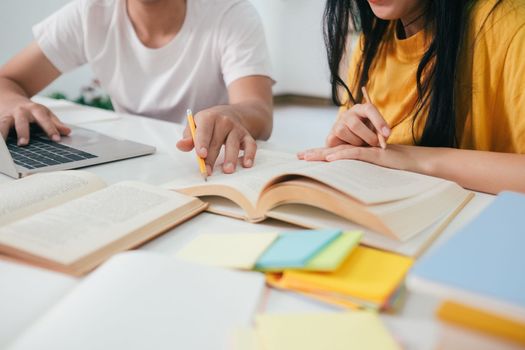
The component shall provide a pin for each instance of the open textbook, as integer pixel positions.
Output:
(142, 300)
(71, 222)
(392, 204)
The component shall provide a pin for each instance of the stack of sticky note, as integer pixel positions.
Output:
(328, 265)
(308, 250)
(334, 331)
(368, 278)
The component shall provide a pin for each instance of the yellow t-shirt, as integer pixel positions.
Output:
(491, 80)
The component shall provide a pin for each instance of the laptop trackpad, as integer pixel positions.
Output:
(81, 138)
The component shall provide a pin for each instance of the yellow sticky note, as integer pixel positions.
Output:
(367, 274)
(231, 250)
(245, 339)
(334, 331)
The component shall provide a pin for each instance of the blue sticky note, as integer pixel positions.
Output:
(294, 249)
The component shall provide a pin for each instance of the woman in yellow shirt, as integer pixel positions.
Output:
(447, 84)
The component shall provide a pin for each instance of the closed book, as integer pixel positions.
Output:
(481, 267)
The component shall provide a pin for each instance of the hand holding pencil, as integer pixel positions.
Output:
(380, 136)
(361, 125)
(191, 124)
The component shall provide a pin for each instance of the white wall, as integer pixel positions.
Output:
(293, 29)
(16, 20)
(295, 38)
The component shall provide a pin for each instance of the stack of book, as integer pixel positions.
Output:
(478, 273)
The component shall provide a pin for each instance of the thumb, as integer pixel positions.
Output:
(186, 142)
(332, 141)
(186, 133)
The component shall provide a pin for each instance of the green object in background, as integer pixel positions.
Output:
(103, 102)
(58, 96)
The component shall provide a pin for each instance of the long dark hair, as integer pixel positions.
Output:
(436, 73)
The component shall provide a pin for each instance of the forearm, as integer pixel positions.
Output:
(250, 100)
(489, 172)
(256, 116)
(24, 76)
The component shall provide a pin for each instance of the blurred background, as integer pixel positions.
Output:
(293, 31)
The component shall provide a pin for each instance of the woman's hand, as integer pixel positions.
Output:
(24, 112)
(402, 157)
(216, 127)
(358, 126)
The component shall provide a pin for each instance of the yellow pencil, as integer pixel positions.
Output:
(382, 141)
(202, 165)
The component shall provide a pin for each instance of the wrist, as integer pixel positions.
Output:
(430, 162)
(11, 102)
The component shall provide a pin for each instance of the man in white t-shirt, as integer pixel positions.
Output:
(154, 58)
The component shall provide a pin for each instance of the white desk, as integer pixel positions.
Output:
(25, 292)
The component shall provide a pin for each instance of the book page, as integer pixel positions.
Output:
(369, 183)
(139, 300)
(248, 181)
(30, 195)
(225, 207)
(70, 231)
(315, 218)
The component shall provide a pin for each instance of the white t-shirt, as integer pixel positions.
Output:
(220, 41)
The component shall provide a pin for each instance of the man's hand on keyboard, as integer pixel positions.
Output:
(26, 112)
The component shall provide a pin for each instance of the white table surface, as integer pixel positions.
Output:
(26, 292)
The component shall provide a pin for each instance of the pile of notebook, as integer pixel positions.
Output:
(328, 265)
(142, 300)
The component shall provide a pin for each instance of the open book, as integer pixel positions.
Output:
(394, 203)
(71, 222)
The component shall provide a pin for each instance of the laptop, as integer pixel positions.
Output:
(80, 149)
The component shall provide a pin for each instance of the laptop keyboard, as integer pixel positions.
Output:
(42, 152)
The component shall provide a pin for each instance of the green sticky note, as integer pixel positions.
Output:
(331, 257)
(293, 250)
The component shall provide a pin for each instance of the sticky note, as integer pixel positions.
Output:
(367, 274)
(331, 257)
(295, 248)
(245, 339)
(334, 331)
(238, 250)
